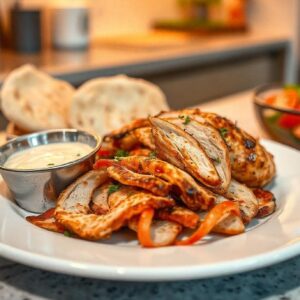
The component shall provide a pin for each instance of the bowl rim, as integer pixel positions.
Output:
(264, 88)
(52, 168)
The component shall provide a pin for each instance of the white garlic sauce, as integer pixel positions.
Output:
(47, 156)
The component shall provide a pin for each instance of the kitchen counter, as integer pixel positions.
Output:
(280, 282)
(148, 55)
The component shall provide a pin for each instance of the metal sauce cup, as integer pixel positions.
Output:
(36, 190)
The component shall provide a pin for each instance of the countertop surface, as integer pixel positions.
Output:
(281, 281)
(140, 55)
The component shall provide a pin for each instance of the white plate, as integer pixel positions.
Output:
(266, 241)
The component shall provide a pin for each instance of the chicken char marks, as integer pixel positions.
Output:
(212, 143)
(74, 214)
(251, 163)
(192, 194)
(189, 153)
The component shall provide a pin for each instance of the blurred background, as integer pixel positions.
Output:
(195, 50)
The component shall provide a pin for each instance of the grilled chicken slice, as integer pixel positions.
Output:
(266, 202)
(180, 215)
(46, 221)
(246, 199)
(251, 163)
(124, 137)
(121, 132)
(127, 142)
(230, 224)
(150, 183)
(142, 152)
(190, 153)
(166, 150)
(99, 203)
(162, 232)
(192, 194)
(77, 196)
(145, 137)
(214, 146)
(73, 212)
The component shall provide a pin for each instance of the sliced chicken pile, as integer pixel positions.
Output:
(163, 175)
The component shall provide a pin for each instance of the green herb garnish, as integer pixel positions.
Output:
(50, 164)
(78, 154)
(67, 233)
(120, 153)
(181, 116)
(152, 154)
(223, 132)
(217, 160)
(113, 188)
(187, 120)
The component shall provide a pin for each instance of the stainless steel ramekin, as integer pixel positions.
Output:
(36, 190)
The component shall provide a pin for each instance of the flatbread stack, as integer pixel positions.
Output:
(33, 101)
(105, 104)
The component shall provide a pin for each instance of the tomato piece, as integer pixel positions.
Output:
(270, 100)
(292, 97)
(288, 98)
(159, 170)
(106, 153)
(289, 121)
(103, 163)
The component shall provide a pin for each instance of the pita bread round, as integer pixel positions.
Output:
(3, 138)
(13, 130)
(104, 104)
(34, 100)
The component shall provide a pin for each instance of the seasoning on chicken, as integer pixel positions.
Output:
(266, 202)
(190, 153)
(245, 198)
(145, 137)
(192, 194)
(47, 221)
(150, 183)
(73, 212)
(180, 215)
(142, 152)
(163, 233)
(125, 138)
(211, 141)
(99, 201)
(121, 132)
(166, 150)
(251, 163)
(230, 225)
